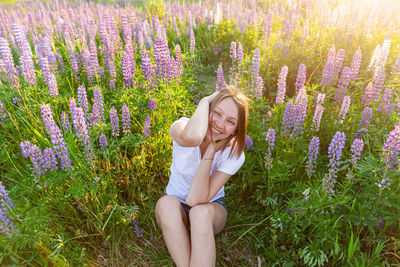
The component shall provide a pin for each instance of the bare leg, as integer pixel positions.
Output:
(173, 222)
(206, 220)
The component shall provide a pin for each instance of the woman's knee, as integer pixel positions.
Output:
(201, 216)
(168, 210)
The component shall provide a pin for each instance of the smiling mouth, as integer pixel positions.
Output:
(215, 131)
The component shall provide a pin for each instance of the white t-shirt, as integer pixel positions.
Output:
(185, 161)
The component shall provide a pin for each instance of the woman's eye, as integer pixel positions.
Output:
(231, 122)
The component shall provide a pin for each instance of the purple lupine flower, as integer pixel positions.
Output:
(380, 225)
(138, 231)
(281, 85)
(49, 77)
(86, 65)
(386, 106)
(338, 65)
(49, 161)
(8, 61)
(384, 183)
(366, 117)
(220, 78)
(26, 63)
(147, 67)
(7, 226)
(343, 83)
(114, 121)
(301, 77)
(103, 141)
(98, 106)
(126, 119)
(301, 111)
(368, 94)
(396, 66)
(2, 69)
(294, 116)
(25, 148)
(83, 101)
(248, 141)
(288, 118)
(329, 68)
(360, 133)
(320, 98)
(391, 148)
(128, 66)
(36, 156)
(267, 28)
(47, 52)
(147, 125)
(233, 51)
(218, 49)
(259, 88)
(255, 67)
(15, 100)
(152, 104)
(56, 136)
(79, 121)
(356, 149)
(192, 41)
(344, 109)
(73, 59)
(161, 54)
(72, 108)
(319, 110)
(398, 108)
(65, 124)
(239, 55)
(3, 114)
(20, 38)
(379, 80)
(178, 58)
(270, 138)
(313, 150)
(379, 56)
(113, 74)
(93, 60)
(355, 65)
(334, 153)
(82, 133)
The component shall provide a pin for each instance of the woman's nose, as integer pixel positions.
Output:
(219, 123)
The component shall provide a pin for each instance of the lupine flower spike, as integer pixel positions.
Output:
(282, 85)
(334, 153)
(126, 119)
(103, 141)
(270, 138)
(146, 127)
(7, 226)
(313, 151)
(114, 121)
(356, 149)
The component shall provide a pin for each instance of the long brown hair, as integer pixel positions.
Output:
(241, 101)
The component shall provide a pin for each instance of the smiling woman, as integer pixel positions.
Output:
(207, 151)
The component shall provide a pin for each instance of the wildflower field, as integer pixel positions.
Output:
(88, 91)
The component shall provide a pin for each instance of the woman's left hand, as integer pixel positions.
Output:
(218, 145)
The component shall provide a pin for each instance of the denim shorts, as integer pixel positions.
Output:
(218, 201)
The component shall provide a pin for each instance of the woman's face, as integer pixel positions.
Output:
(223, 119)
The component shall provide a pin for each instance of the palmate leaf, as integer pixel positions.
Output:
(368, 167)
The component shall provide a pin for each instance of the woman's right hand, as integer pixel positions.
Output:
(209, 98)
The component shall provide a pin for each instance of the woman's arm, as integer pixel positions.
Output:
(204, 187)
(192, 133)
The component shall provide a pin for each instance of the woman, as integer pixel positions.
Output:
(207, 151)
